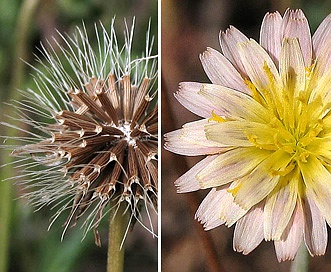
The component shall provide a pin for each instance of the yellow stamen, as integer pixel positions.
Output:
(270, 75)
(216, 118)
(235, 190)
(309, 70)
(282, 172)
(255, 93)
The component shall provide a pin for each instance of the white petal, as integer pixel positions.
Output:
(287, 247)
(295, 25)
(188, 182)
(270, 35)
(188, 96)
(220, 71)
(316, 236)
(230, 166)
(229, 41)
(191, 140)
(248, 233)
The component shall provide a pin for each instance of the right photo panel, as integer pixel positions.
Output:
(246, 135)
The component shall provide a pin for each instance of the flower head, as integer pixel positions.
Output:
(266, 133)
(92, 141)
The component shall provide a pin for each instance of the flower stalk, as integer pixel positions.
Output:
(118, 224)
(301, 260)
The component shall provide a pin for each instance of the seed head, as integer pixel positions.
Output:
(92, 142)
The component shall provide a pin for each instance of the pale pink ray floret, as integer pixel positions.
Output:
(266, 131)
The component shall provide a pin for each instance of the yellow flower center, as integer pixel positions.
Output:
(296, 122)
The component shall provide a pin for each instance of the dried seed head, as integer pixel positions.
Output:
(93, 140)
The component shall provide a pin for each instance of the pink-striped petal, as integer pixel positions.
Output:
(229, 41)
(292, 68)
(295, 25)
(320, 79)
(229, 134)
(188, 182)
(219, 208)
(207, 213)
(254, 187)
(248, 233)
(317, 180)
(287, 247)
(191, 140)
(270, 35)
(230, 166)
(316, 236)
(234, 105)
(259, 67)
(220, 71)
(322, 36)
(280, 205)
(188, 96)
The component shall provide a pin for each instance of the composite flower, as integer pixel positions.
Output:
(88, 140)
(266, 131)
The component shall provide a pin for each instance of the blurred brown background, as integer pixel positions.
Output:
(188, 27)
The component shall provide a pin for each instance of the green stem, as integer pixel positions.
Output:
(117, 226)
(6, 191)
(23, 31)
(301, 261)
(6, 207)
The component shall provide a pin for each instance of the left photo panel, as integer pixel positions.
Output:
(79, 136)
